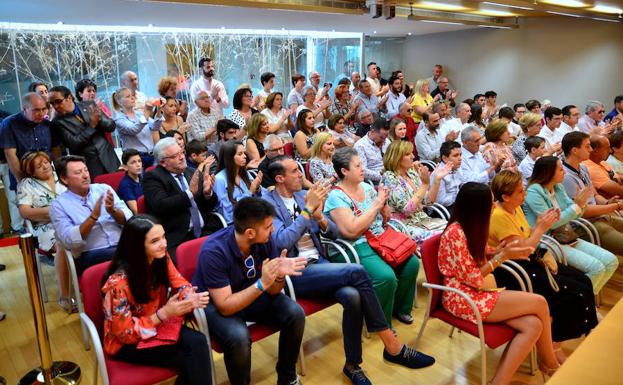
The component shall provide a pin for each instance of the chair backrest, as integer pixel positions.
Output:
(186, 257)
(150, 168)
(307, 173)
(112, 179)
(140, 205)
(91, 288)
(430, 251)
(288, 149)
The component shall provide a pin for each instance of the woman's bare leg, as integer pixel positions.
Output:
(62, 271)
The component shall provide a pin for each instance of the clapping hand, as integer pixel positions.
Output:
(546, 219)
(109, 202)
(95, 115)
(199, 300)
(381, 197)
(255, 185)
(441, 171)
(424, 173)
(582, 197)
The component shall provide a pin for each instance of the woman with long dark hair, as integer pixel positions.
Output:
(232, 182)
(465, 262)
(140, 327)
(304, 131)
(545, 191)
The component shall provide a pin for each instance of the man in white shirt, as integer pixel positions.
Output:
(570, 117)
(433, 80)
(473, 165)
(375, 82)
(463, 113)
(395, 97)
(314, 80)
(130, 81)
(213, 87)
(550, 132)
(514, 126)
(592, 122)
(355, 78)
(451, 183)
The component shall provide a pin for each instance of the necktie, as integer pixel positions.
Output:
(194, 210)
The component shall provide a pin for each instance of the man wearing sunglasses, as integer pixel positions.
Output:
(298, 224)
(245, 272)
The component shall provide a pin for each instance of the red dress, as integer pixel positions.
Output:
(461, 272)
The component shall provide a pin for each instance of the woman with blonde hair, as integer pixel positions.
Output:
(398, 129)
(35, 193)
(408, 190)
(497, 136)
(531, 125)
(257, 129)
(321, 163)
(422, 100)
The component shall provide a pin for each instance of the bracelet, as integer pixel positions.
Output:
(305, 211)
(92, 217)
(158, 316)
(258, 285)
(491, 265)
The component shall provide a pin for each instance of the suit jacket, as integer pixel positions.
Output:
(287, 233)
(81, 139)
(165, 199)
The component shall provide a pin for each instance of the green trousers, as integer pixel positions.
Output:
(395, 288)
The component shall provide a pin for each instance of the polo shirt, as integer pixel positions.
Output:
(598, 172)
(24, 135)
(129, 190)
(221, 263)
(575, 180)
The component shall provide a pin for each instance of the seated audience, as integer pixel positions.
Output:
(466, 263)
(450, 178)
(178, 197)
(370, 150)
(545, 191)
(458, 124)
(573, 305)
(365, 119)
(298, 223)
(607, 182)
(140, 326)
(138, 130)
(244, 272)
(87, 218)
(496, 148)
(277, 116)
(319, 110)
(429, 139)
(535, 147)
(570, 117)
(131, 185)
(367, 100)
(304, 133)
(196, 153)
(243, 99)
(477, 119)
(212, 86)
(600, 211)
(226, 130)
(533, 106)
(412, 127)
(171, 120)
(506, 114)
(422, 102)
(490, 109)
(397, 130)
(592, 121)
(616, 115)
(530, 126)
(202, 120)
(473, 165)
(615, 160)
(268, 83)
(356, 207)
(82, 127)
(167, 87)
(257, 129)
(295, 97)
(550, 131)
(407, 188)
(342, 137)
(274, 148)
(321, 163)
(86, 90)
(35, 192)
(445, 93)
(519, 110)
(232, 182)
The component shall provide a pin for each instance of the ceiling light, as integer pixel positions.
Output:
(508, 6)
(566, 3)
(441, 22)
(609, 20)
(440, 6)
(563, 14)
(494, 12)
(374, 32)
(606, 9)
(409, 34)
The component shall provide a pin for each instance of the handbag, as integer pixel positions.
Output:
(547, 260)
(565, 235)
(392, 246)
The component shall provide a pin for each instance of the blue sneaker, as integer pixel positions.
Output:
(410, 358)
(356, 375)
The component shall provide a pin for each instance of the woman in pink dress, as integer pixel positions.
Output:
(497, 146)
(466, 264)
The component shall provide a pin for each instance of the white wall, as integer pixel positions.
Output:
(566, 60)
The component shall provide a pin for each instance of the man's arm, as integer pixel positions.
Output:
(611, 188)
(229, 303)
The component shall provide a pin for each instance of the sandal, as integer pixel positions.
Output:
(546, 371)
(68, 304)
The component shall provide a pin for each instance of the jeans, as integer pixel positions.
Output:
(599, 264)
(93, 257)
(233, 335)
(190, 355)
(351, 286)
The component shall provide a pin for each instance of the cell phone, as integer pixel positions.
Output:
(328, 84)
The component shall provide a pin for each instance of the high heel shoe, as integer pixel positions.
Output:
(546, 371)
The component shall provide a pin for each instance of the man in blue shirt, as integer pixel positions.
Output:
(617, 111)
(298, 224)
(87, 218)
(242, 269)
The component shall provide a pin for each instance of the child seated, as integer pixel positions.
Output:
(196, 153)
(535, 147)
(131, 186)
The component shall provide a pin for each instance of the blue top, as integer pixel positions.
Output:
(24, 135)
(129, 190)
(221, 263)
(611, 115)
(136, 133)
(538, 200)
(224, 206)
(69, 210)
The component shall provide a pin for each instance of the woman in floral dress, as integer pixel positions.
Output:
(496, 147)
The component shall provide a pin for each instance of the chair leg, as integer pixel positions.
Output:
(302, 361)
(44, 291)
(451, 332)
(95, 377)
(415, 301)
(533, 363)
(483, 364)
(419, 335)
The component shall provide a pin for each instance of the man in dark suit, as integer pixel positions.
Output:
(180, 198)
(82, 128)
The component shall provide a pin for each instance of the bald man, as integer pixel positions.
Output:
(130, 79)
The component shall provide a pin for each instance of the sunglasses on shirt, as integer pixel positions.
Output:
(249, 263)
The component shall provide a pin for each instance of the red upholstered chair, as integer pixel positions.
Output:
(111, 371)
(307, 173)
(150, 168)
(113, 179)
(492, 335)
(140, 205)
(288, 149)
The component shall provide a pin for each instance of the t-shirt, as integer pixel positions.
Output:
(616, 164)
(599, 172)
(305, 245)
(419, 101)
(221, 263)
(504, 224)
(129, 190)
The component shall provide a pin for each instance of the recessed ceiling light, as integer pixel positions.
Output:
(222, 27)
(409, 34)
(566, 3)
(150, 25)
(441, 6)
(508, 6)
(59, 23)
(563, 14)
(374, 32)
(606, 9)
(495, 12)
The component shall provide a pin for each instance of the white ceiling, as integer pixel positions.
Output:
(138, 13)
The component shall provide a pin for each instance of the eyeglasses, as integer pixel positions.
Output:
(601, 112)
(276, 149)
(176, 155)
(249, 263)
(57, 101)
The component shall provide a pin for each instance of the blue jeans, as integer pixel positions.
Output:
(596, 262)
(351, 286)
(93, 257)
(233, 335)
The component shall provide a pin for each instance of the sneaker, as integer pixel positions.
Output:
(404, 318)
(410, 358)
(296, 381)
(356, 375)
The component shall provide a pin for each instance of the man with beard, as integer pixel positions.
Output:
(213, 87)
(395, 97)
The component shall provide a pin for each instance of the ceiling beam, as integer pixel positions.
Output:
(352, 7)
